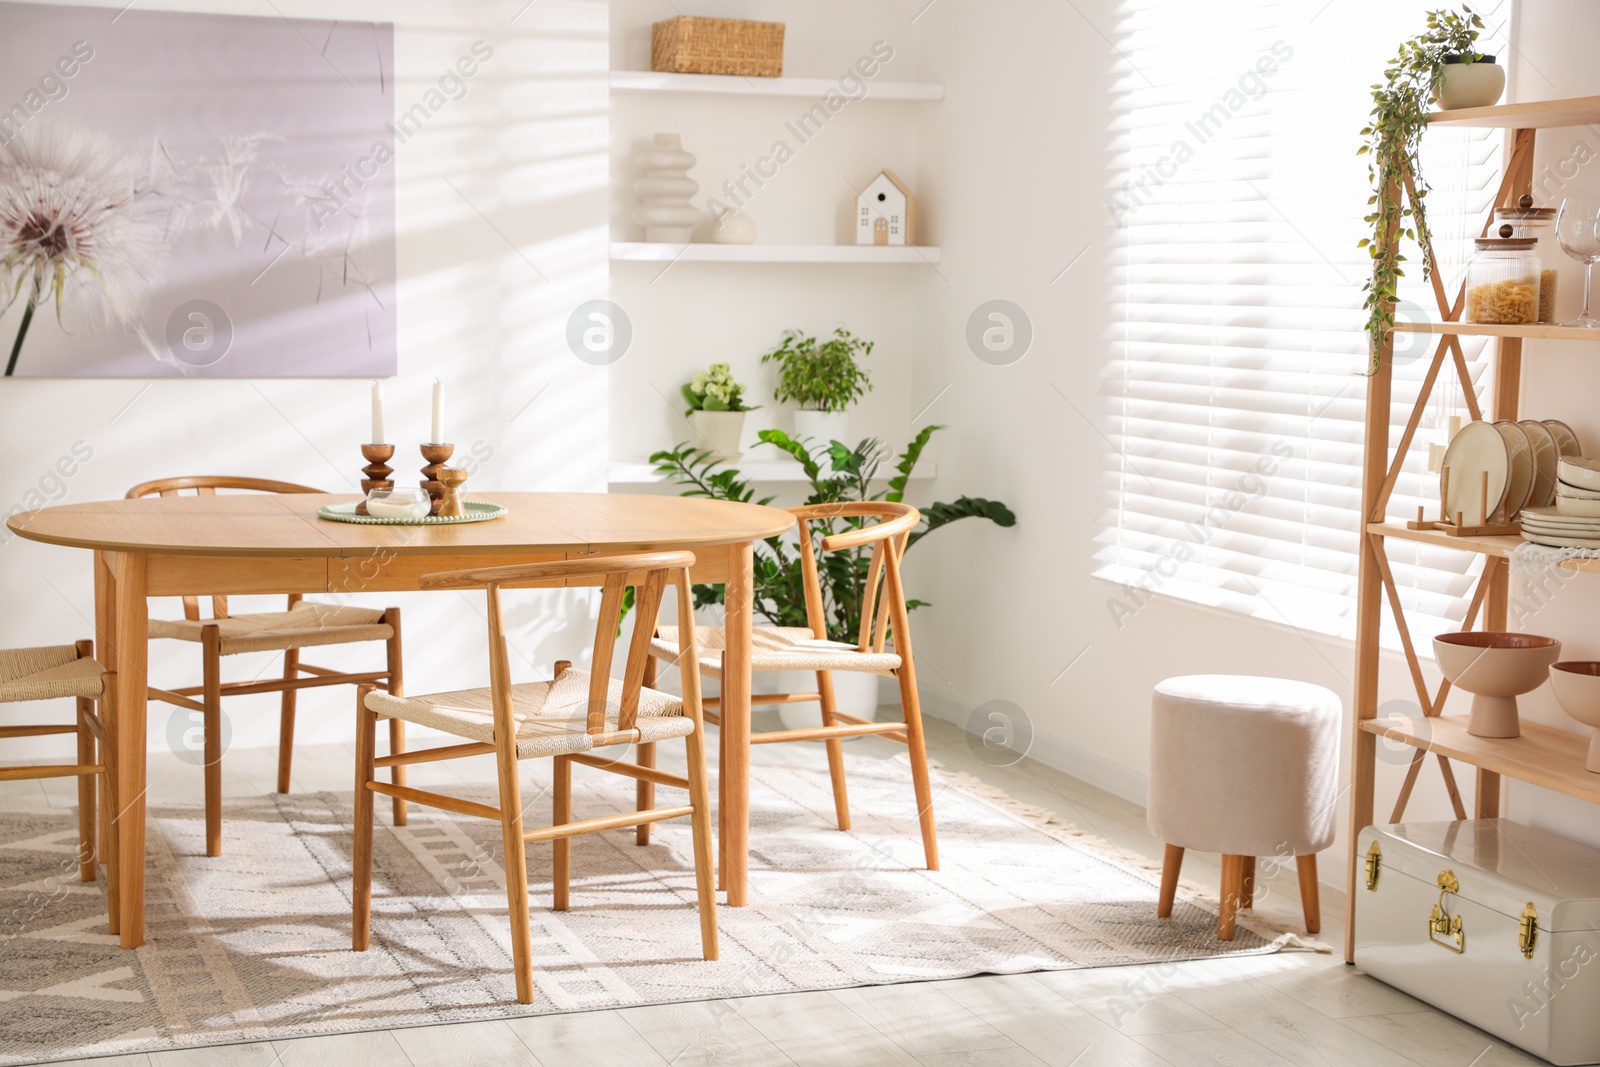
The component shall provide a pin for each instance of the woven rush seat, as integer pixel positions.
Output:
(305, 625)
(47, 673)
(775, 648)
(552, 717)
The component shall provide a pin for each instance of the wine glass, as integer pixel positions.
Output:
(1578, 231)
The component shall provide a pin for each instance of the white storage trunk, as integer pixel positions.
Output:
(1442, 913)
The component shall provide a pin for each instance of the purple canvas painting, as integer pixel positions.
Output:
(195, 195)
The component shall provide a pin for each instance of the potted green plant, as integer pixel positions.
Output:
(1439, 64)
(824, 378)
(841, 473)
(716, 410)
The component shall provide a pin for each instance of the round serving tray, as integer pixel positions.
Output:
(477, 511)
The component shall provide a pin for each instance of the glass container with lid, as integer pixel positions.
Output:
(1538, 223)
(1503, 279)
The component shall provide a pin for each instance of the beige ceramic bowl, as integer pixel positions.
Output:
(1577, 686)
(1496, 668)
(1580, 472)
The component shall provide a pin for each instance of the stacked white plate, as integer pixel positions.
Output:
(1501, 468)
(1574, 521)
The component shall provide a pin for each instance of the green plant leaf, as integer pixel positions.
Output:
(908, 462)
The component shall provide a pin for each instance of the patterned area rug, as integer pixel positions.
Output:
(255, 944)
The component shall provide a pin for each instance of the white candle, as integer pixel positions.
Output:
(377, 414)
(438, 412)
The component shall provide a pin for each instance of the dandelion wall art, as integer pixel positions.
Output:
(195, 195)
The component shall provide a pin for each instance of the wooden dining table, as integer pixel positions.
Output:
(270, 543)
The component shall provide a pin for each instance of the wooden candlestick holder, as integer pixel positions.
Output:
(377, 471)
(452, 507)
(437, 456)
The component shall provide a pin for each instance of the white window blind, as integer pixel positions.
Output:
(1235, 398)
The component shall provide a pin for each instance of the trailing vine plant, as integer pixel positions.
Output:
(1400, 106)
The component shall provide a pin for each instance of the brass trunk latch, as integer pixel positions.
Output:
(1528, 930)
(1441, 923)
(1374, 866)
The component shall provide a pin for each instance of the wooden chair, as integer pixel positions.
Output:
(305, 624)
(883, 606)
(567, 719)
(52, 673)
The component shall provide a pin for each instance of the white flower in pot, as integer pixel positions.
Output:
(824, 378)
(716, 410)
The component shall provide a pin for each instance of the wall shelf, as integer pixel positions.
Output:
(1542, 756)
(645, 252)
(1538, 115)
(644, 81)
(778, 469)
(1540, 330)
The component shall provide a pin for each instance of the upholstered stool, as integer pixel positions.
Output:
(1246, 767)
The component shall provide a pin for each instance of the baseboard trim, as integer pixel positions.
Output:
(1056, 753)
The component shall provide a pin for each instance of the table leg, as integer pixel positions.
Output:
(132, 650)
(735, 740)
(105, 644)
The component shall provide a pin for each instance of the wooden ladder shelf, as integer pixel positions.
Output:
(1544, 757)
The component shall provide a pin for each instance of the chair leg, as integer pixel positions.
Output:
(397, 774)
(291, 671)
(561, 847)
(1310, 894)
(722, 803)
(109, 847)
(361, 859)
(395, 665)
(704, 875)
(1232, 881)
(644, 793)
(841, 800)
(1171, 864)
(917, 746)
(86, 793)
(211, 655)
(516, 865)
(1247, 886)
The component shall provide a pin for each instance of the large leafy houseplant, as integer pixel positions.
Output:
(780, 587)
(1400, 106)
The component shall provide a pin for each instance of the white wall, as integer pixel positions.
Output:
(527, 147)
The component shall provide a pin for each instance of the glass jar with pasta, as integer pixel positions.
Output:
(1503, 280)
(1540, 224)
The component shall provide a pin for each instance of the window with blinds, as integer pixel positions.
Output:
(1235, 395)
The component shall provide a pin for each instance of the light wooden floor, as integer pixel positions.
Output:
(1292, 1008)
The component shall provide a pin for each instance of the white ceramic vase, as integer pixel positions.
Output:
(1471, 84)
(666, 213)
(719, 431)
(817, 428)
(734, 228)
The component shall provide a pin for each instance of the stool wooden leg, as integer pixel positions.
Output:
(1232, 882)
(1247, 887)
(211, 724)
(1310, 897)
(1171, 864)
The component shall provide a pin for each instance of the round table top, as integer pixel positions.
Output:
(274, 524)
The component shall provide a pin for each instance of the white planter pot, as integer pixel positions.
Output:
(719, 431)
(817, 428)
(854, 693)
(1471, 84)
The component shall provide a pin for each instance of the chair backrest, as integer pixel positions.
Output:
(207, 485)
(647, 572)
(883, 599)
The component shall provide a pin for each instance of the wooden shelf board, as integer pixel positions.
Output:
(1488, 546)
(646, 81)
(1542, 756)
(779, 469)
(1546, 331)
(1537, 115)
(646, 252)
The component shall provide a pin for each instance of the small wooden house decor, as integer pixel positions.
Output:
(886, 212)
